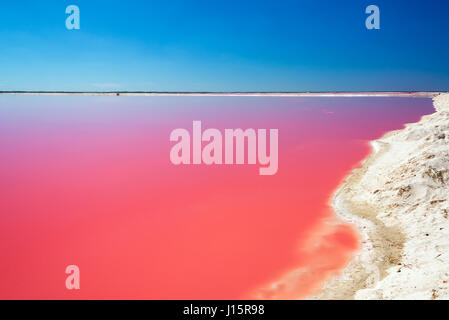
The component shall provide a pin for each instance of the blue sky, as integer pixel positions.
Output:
(303, 45)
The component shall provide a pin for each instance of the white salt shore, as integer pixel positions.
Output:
(399, 201)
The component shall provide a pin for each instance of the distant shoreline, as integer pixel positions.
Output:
(420, 94)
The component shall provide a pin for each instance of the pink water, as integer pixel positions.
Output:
(87, 180)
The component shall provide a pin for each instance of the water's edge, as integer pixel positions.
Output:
(380, 245)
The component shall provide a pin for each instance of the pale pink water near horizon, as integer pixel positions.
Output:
(87, 180)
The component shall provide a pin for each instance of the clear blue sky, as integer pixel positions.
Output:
(211, 45)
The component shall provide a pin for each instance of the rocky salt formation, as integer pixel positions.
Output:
(399, 201)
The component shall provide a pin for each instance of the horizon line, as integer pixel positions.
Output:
(231, 93)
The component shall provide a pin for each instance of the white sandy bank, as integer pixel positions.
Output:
(399, 200)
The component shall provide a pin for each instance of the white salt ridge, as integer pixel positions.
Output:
(399, 201)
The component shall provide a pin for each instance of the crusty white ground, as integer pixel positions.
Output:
(399, 200)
